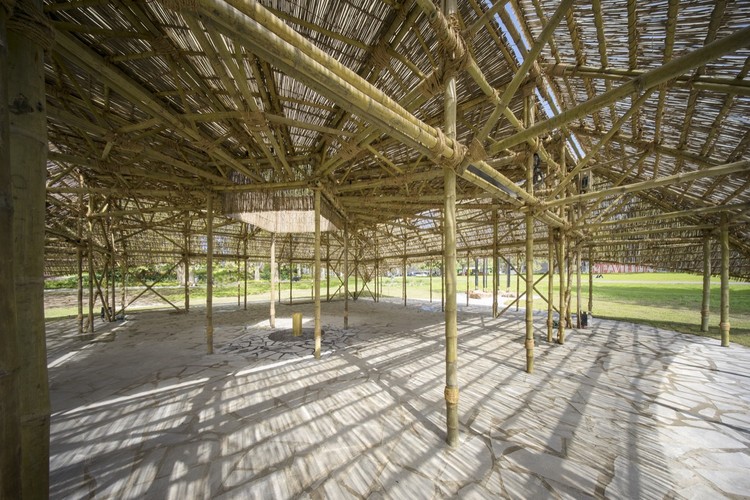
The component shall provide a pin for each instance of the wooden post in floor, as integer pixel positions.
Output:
(209, 273)
(244, 258)
(705, 306)
(316, 280)
(724, 324)
(518, 279)
(79, 250)
(468, 276)
(451, 391)
(403, 274)
(561, 270)
(291, 273)
(272, 311)
(26, 41)
(328, 267)
(90, 259)
(10, 418)
(578, 284)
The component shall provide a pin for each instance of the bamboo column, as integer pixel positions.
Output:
(403, 274)
(591, 281)
(518, 279)
(123, 295)
(561, 271)
(356, 267)
(578, 285)
(495, 267)
(28, 164)
(724, 324)
(328, 267)
(346, 275)
(706, 282)
(272, 312)
(468, 276)
(244, 257)
(79, 257)
(291, 275)
(90, 259)
(187, 266)
(550, 280)
(529, 344)
(430, 268)
(209, 273)
(451, 321)
(10, 420)
(317, 274)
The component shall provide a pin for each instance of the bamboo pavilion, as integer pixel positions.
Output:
(356, 135)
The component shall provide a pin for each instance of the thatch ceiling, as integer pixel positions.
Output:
(153, 106)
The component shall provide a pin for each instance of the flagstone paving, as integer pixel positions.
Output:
(619, 411)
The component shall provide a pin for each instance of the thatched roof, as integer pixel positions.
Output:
(153, 106)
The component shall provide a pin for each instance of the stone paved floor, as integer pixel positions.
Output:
(619, 411)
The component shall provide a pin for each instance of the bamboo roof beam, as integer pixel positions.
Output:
(652, 78)
(98, 67)
(730, 168)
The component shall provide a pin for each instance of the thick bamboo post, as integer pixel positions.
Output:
(90, 259)
(495, 267)
(468, 276)
(430, 268)
(328, 267)
(209, 273)
(578, 285)
(244, 258)
(529, 222)
(291, 265)
(28, 163)
(10, 420)
(451, 321)
(272, 311)
(113, 273)
(403, 274)
(124, 291)
(346, 275)
(550, 281)
(724, 324)
(187, 265)
(705, 306)
(297, 324)
(239, 279)
(591, 281)
(79, 250)
(561, 270)
(518, 279)
(317, 273)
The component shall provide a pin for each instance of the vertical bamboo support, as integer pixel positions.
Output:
(272, 308)
(90, 258)
(430, 271)
(328, 267)
(591, 281)
(317, 273)
(187, 266)
(468, 276)
(724, 324)
(10, 420)
(346, 275)
(291, 265)
(705, 306)
(495, 268)
(79, 248)
(403, 274)
(209, 273)
(377, 269)
(123, 295)
(578, 285)
(356, 268)
(451, 325)
(529, 344)
(244, 258)
(550, 281)
(239, 279)
(28, 162)
(518, 280)
(561, 266)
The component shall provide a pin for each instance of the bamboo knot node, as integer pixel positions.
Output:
(459, 152)
(724, 326)
(451, 395)
(529, 344)
(28, 20)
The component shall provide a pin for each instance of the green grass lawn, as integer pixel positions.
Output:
(665, 300)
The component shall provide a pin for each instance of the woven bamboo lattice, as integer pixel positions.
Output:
(153, 106)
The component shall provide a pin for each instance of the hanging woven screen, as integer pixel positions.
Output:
(285, 211)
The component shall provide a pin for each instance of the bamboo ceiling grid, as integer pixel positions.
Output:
(155, 105)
